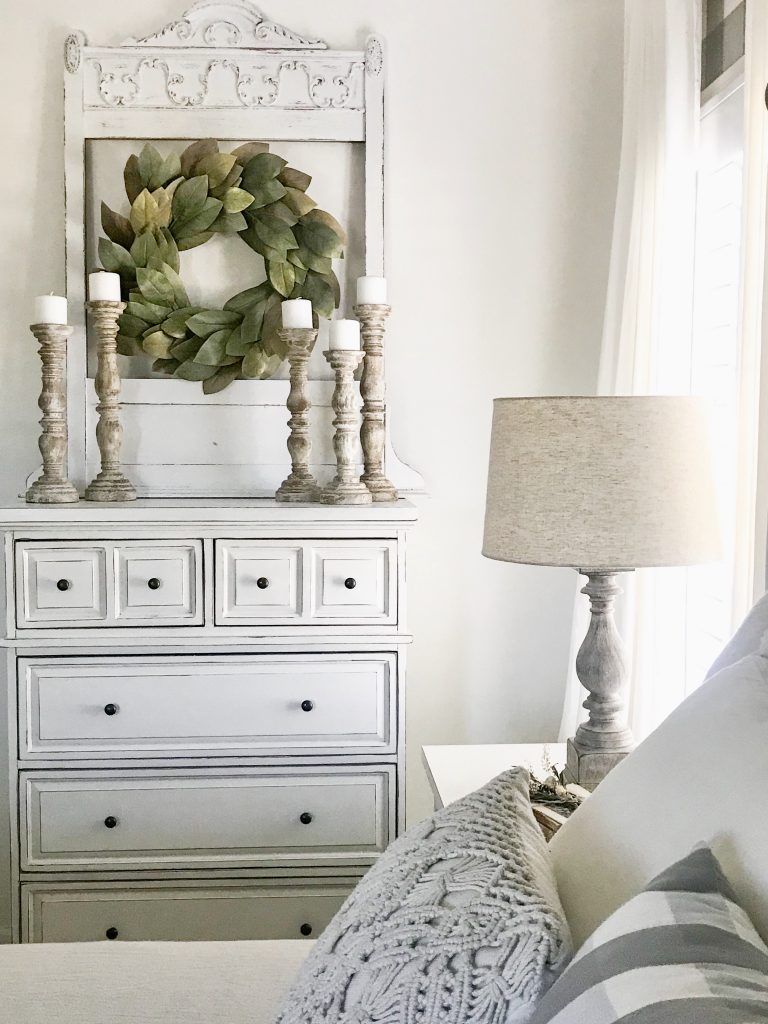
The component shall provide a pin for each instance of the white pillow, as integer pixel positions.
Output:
(746, 640)
(702, 776)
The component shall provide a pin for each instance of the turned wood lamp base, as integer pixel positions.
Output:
(603, 740)
(587, 768)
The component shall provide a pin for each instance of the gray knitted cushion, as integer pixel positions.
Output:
(459, 922)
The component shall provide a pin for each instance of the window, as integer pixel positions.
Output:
(715, 360)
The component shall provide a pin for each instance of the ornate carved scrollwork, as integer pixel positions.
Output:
(232, 23)
(255, 80)
(73, 51)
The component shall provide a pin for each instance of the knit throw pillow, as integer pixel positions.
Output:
(459, 922)
(681, 952)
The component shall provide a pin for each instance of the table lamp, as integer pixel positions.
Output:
(602, 485)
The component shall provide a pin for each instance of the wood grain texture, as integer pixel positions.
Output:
(299, 485)
(345, 488)
(373, 432)
(111, 484)
(52, 487)
(604, 740)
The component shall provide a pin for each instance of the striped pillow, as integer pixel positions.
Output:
(681, 952)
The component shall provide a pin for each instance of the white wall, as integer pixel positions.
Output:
(504, 130)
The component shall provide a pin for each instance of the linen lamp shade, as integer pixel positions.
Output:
(601, 483)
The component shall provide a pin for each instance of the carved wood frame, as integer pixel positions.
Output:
(221, 70)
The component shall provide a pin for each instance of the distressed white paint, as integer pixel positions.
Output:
(161, 912)
(233, 910)
(490, 653)
(216, 818)
(233, 675)
(220, 69)
(163, 706)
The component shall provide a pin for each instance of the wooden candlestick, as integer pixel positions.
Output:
(345, 488)
(111, 484)
(52, 487)
(299, 485)
(372, 317)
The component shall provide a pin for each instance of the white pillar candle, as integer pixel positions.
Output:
(345, 334)
(104, 287)
(50, 309)
(371, 291)
(297, 313)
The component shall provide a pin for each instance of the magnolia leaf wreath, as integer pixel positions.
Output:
(181, 201)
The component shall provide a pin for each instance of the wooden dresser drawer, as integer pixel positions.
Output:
(158, 583)
(203, 911)
(259, 581)
(61, 584)
(312, 582)
(228, 705)
(107, 584)
(352, 581)
(243, 818)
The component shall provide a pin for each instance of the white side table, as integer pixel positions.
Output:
(454, 771)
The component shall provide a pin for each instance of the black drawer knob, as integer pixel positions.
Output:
(111, 709)
(154, 583)
(350, 583)
(307, 705)
(305, 818)
(110, 821)
(111, 933)
(63, 585)
(306, 929)
(262, 582)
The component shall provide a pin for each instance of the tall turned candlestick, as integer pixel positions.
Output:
(299, 485)
(372, 317)
(345, 488)
(111, 484)
(52, 486)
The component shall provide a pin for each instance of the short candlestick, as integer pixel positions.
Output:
(345, 488)
(111, 484)
(52, 487)
(372, 317)
(299, 485)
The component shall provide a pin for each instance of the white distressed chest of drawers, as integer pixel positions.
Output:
(205, 715)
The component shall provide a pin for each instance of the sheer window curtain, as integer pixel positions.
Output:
(648, 316)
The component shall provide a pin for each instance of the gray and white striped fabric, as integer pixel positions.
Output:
(681, 952)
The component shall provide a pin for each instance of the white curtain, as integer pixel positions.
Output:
(647, 326)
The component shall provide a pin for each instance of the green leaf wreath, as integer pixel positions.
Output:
(181, 201)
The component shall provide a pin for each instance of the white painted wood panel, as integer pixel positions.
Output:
(230, 705)
(159, 582)
(170, 913)
(353, 581)
(230, 444)
(92, 584)
(245, 517)
(258, 580)
(211, 819)
(61, 585)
